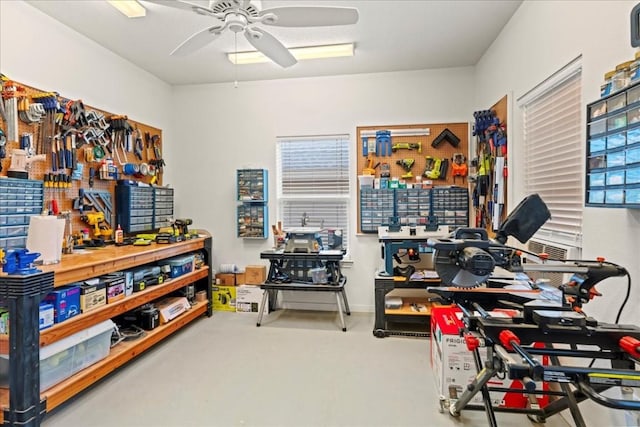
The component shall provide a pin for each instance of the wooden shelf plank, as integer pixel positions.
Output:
(96, 262)
(85, 320)
(408, 310)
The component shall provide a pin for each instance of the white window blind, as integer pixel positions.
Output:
(554, 151)
(313, 182)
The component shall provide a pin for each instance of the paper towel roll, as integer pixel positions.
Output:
(45, 236)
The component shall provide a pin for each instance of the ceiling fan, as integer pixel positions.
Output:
(245, 16)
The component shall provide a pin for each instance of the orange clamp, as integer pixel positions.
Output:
(630, 345)
(471, 341)
(506, 338)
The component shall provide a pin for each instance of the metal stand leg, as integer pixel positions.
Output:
(262, 306)
(571, 398)
(486, 397)
(344, 328)
(479, 384)
(346, 303)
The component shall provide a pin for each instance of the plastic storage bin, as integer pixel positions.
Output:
(181, 265)
(68, 356)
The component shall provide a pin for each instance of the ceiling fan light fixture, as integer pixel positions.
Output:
(129, 8)
(300, 53)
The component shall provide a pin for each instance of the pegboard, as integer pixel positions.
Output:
(416, 135)
(43, 133)
(482, 213)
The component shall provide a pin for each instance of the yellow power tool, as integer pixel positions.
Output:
(101, 228)
(406, 164)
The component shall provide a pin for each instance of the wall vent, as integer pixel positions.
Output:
(555, 251)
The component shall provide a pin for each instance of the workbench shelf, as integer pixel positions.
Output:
(118, 356)
(613, 150)
(81, 266)
(403, 321)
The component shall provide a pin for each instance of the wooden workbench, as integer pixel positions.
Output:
(91, 263)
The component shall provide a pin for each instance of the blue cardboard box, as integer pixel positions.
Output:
(65, 301)
(45, 315)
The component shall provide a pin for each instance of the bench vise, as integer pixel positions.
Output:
(20, 261)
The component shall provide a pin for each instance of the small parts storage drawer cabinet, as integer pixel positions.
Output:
(19, 200)
(613, 150)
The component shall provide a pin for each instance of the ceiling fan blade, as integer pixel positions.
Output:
(184, 5)
(198, 41)
(311, 16)
(270, 47)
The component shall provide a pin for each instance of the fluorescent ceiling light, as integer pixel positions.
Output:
(130, 8)
(300, 53)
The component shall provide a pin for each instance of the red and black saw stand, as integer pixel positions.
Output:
(510, 351)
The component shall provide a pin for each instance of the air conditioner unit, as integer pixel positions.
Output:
(556, 251)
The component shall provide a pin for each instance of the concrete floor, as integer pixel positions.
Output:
(297, 369)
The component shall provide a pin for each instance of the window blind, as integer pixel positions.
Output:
(313, 182)
(554, 152)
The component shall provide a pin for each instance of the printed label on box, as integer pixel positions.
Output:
(224, 298)
(249, 298)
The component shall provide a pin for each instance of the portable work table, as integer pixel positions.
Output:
(291, 272)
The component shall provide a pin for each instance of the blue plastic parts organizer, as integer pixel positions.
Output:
(19, 200)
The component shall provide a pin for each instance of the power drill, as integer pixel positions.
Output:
(406, 164)
(181, 227)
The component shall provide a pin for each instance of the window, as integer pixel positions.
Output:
(313, 182)
(553, 152)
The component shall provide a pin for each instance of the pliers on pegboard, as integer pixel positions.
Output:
(138, 145)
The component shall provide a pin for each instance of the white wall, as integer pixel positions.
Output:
(39, 51)
(220, 128)
(542, 37)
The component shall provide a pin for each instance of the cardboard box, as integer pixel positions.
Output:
(4, 321)
(453, 364)
(115, 285)
(45, 315)
(224, 298)
(93, 294)
(172, 307)
(128, 283)
(255, 274)
(240, 279)
(248, 299)
(226, 279)
(65, 301)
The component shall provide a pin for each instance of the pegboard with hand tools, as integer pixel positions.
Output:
(489, 167)
(71, 146)
(411, 156)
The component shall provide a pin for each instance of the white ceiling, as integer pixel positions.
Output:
(389, 36)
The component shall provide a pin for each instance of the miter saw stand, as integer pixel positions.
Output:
(547, 316)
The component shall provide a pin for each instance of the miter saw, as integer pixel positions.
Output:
(540, 314)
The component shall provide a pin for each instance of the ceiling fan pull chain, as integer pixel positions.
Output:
(235, 63)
